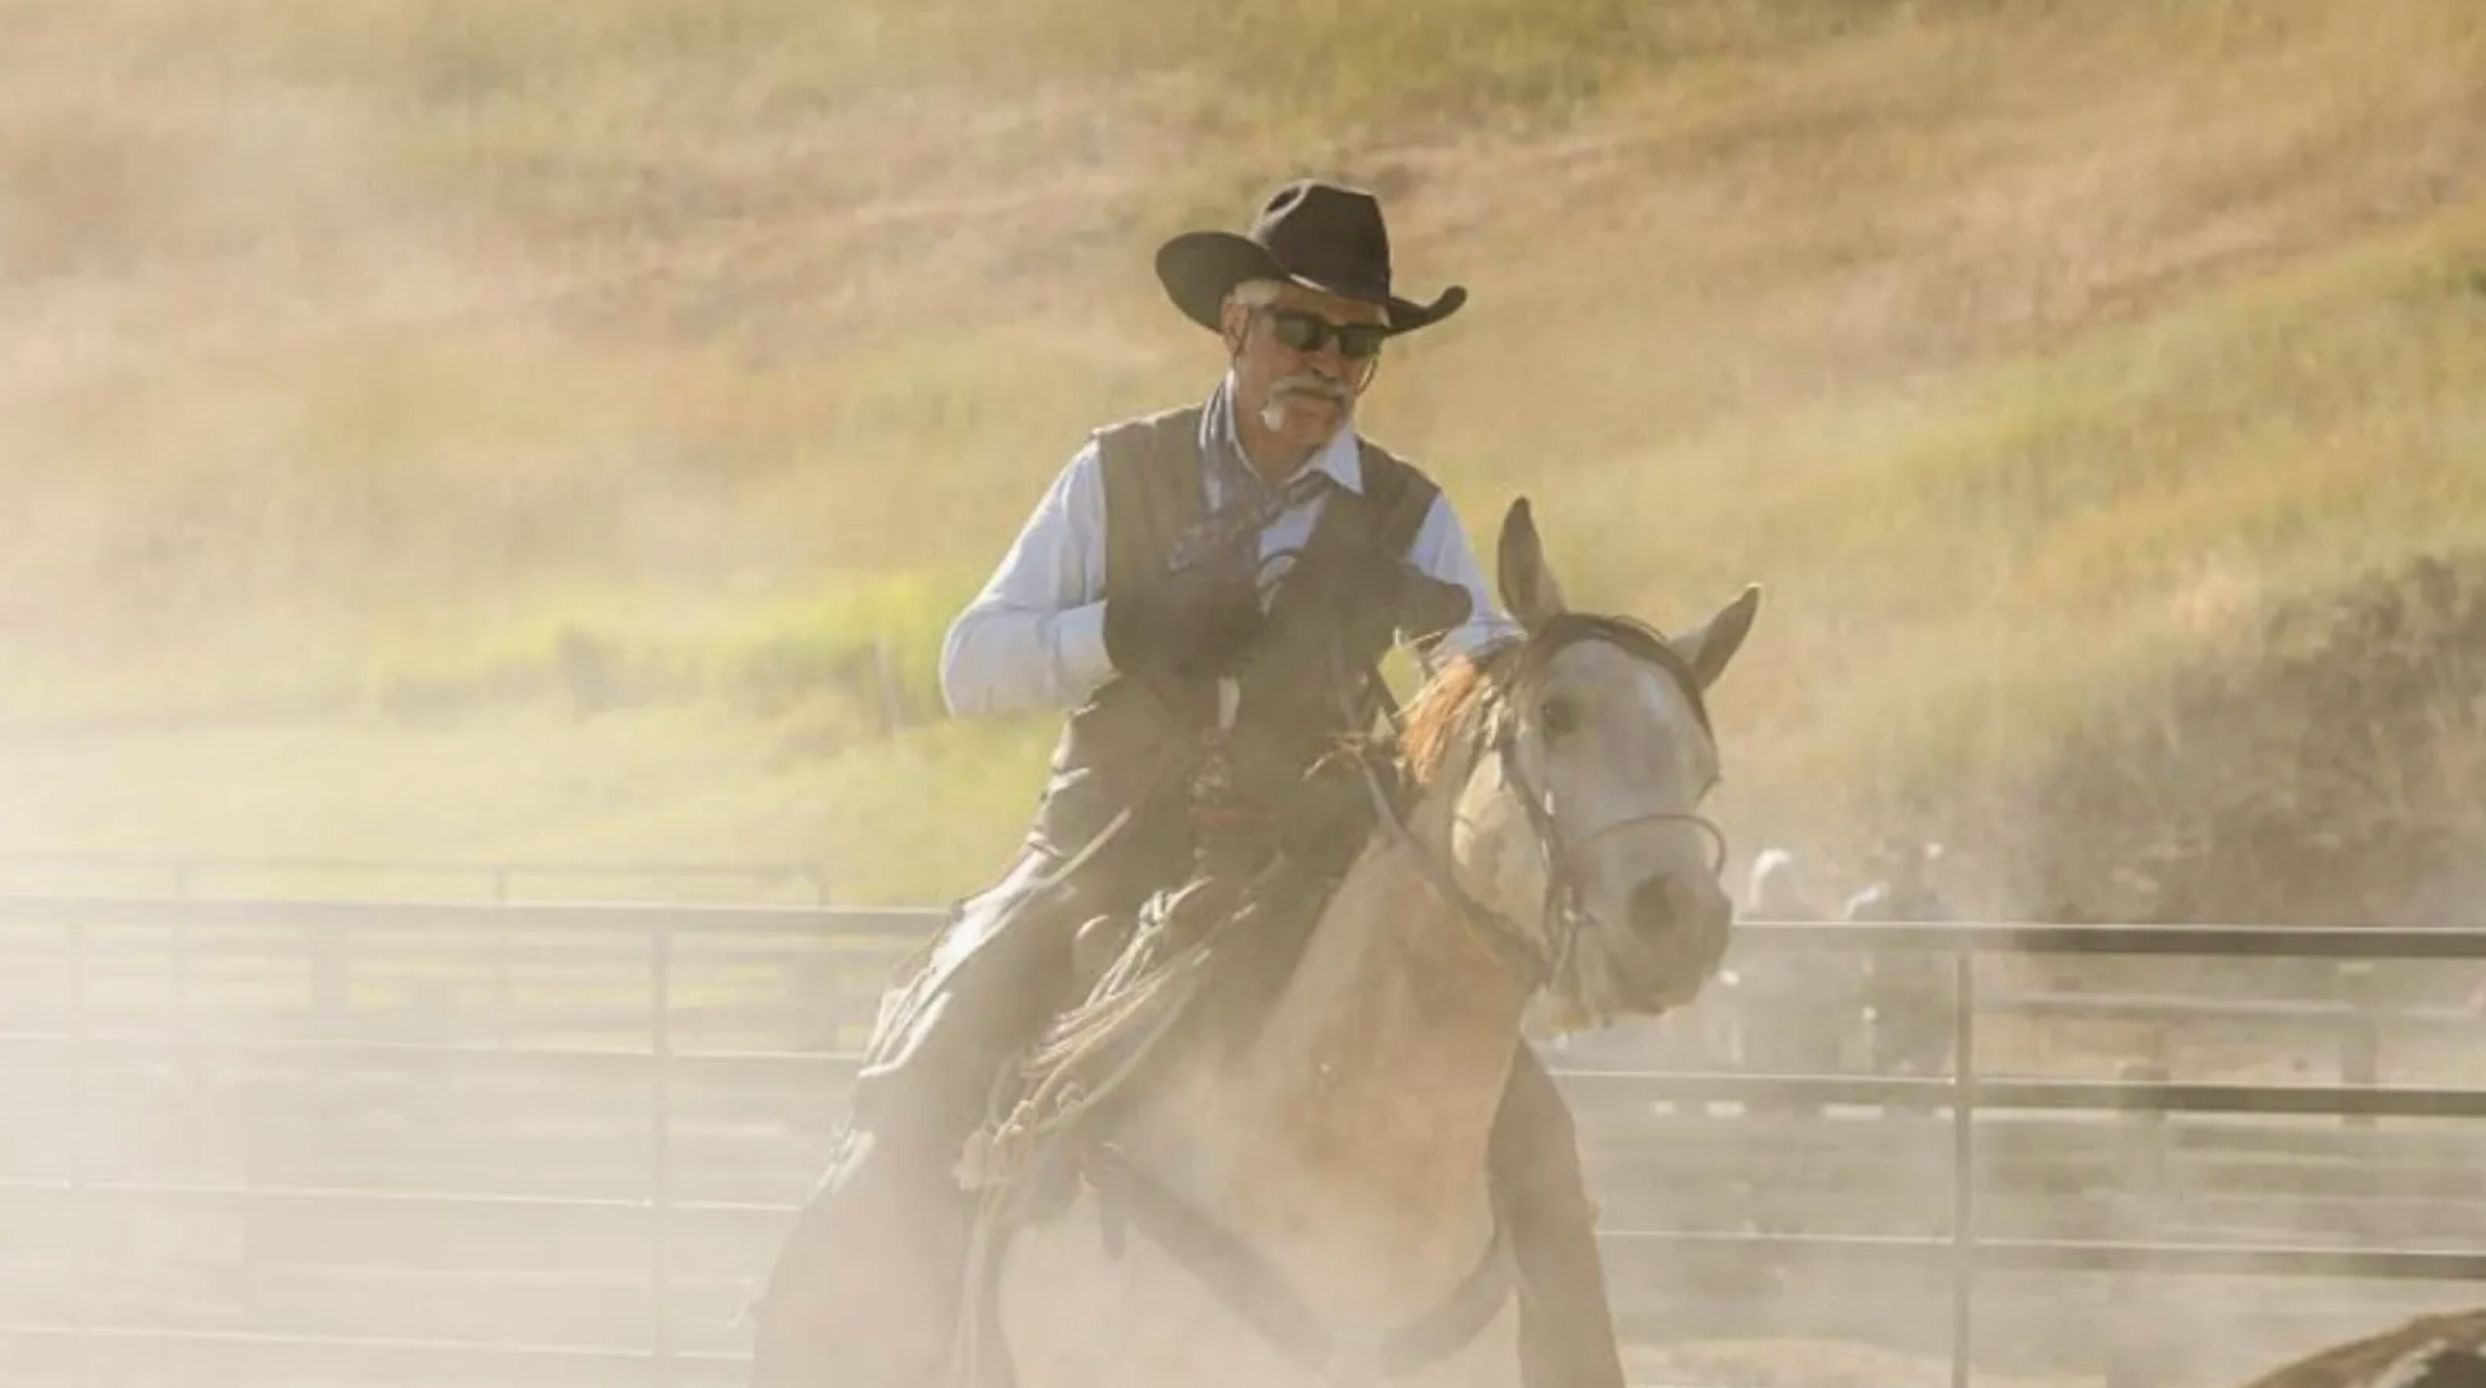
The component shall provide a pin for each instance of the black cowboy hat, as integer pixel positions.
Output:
(1323, 236)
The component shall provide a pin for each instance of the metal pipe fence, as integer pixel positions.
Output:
(77, 1041)
(494, 879)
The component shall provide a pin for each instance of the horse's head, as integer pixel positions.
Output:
(1581, 757)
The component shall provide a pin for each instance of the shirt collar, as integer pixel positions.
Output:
(1221, 447)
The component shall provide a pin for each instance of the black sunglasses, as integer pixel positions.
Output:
(1308, 332)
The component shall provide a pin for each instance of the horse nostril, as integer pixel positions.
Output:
(1651, 907)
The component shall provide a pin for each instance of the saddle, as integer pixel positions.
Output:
(1196, 959)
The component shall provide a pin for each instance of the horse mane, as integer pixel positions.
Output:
(1447, 711)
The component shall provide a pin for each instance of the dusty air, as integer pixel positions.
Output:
(1503, 694)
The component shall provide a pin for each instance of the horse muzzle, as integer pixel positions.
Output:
(1674, 933)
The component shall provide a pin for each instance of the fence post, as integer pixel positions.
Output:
(81, 1196)
(2360, 1036)
(178, 942)
(329, 1003)
(1963, 1160)
(660, 1149)
(504, 1010)
(2135, 1209)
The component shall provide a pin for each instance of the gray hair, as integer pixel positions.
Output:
(1254, 294)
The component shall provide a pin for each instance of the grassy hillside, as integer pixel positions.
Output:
(377, 369)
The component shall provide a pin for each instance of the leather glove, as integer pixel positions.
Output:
(1383, 596)
(1192, 624)
(1428, 606)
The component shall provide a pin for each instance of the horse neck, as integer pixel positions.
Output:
(1366, 1098)
(1399, 1022)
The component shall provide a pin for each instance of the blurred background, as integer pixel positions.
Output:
(464, 448)
(441, 428)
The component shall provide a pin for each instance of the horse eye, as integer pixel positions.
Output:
(1557, 717)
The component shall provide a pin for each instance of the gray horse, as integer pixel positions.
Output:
(1299, 1196)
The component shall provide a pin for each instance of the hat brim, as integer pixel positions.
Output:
(1198, 268)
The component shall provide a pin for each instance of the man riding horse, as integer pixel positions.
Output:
(1139, 597)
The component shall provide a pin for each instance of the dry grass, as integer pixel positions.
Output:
(353, 349)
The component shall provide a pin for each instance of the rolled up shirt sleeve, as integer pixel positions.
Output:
(1035, 636)
(1442, 552)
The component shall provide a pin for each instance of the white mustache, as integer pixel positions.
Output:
(1273, 413)
(1309, 384)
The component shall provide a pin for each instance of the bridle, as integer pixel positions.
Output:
(1564, 915)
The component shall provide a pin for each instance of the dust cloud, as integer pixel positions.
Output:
(445, 439)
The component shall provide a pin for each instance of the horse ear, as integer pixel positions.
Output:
(1529, 591)
(1708, 647)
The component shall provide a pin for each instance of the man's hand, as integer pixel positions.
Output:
(1384, 596)
(1428, 606)
(1192, 624)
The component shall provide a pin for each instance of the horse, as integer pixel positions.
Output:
(2442, 1351)
(1545, 859)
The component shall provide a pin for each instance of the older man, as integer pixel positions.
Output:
(1136, 597)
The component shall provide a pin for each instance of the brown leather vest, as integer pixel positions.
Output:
(1131, 741)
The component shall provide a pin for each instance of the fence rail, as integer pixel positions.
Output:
(501, 879)
(683, 1080)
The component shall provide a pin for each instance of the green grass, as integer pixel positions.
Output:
(575, 410)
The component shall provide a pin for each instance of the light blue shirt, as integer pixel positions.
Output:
(1035, 637)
